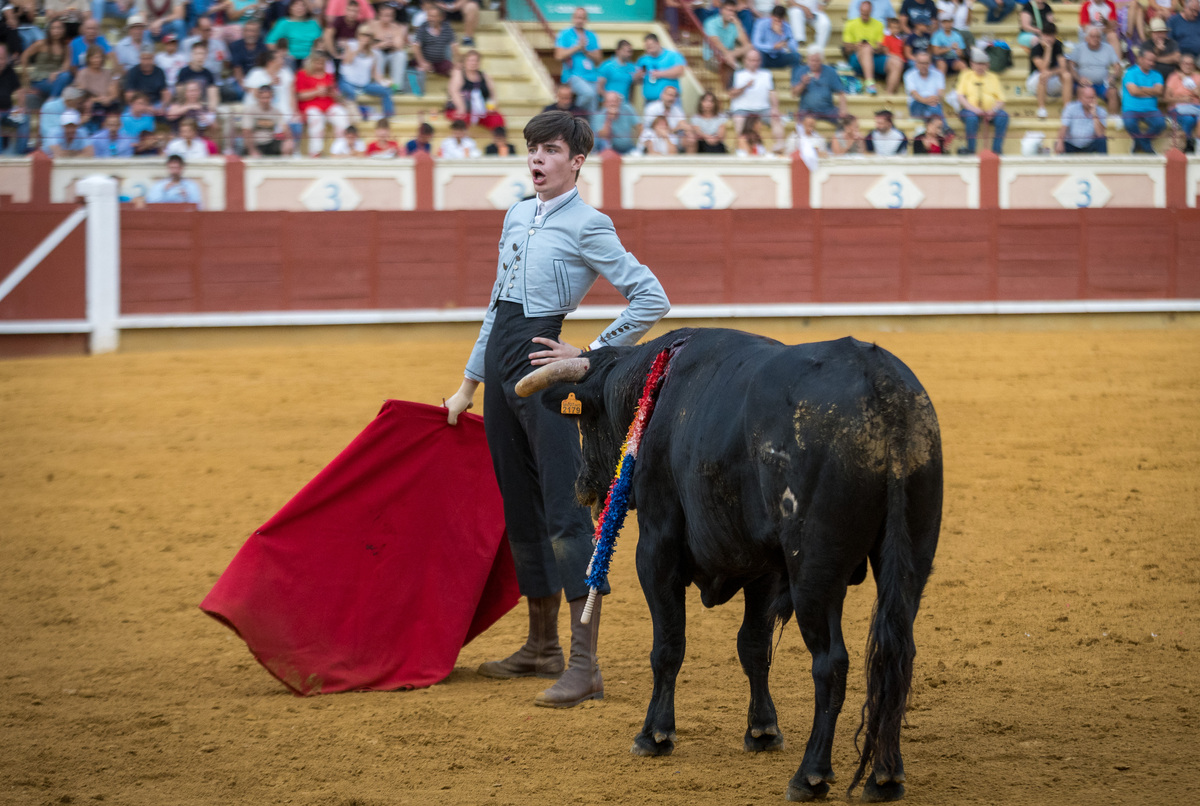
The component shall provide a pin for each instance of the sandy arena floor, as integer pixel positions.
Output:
(1058, 643)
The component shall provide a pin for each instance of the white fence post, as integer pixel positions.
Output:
(103, 261)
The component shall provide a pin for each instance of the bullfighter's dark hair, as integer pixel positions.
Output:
(546, 127)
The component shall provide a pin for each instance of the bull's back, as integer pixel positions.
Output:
(848, 402)
(756, 425)
(730, 391)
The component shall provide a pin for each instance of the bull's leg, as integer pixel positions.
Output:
(819, 613)
(658, 571)
(754, 650)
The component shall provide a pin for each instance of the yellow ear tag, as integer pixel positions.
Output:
(571, 405)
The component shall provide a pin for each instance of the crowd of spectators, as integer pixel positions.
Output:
(278, 78)
(1128, 68)
(260, 78)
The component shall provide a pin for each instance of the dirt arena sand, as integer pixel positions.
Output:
(1058, 643)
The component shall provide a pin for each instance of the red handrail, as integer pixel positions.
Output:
(705, 76)
(537, 12)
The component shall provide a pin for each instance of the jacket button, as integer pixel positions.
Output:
(532, 230)
(514, 247)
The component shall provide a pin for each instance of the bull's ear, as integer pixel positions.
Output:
(573, 387)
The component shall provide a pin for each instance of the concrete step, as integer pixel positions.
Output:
(404, 127)
(838, 10)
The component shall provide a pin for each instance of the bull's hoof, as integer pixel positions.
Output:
(811, 785)
(660, 744)
(881, 793)
(759, 740)
(803, 791)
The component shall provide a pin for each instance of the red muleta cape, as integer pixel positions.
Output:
(382, 567)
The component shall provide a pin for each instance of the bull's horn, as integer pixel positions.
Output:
(569, 370)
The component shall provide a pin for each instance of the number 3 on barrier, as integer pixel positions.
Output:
(708, 198)
(896, 193)
(1085, 193)
(333, 197)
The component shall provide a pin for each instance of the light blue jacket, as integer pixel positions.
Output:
(549, 268)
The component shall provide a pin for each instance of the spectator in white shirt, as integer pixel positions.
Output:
(803, 12)
(667, 106)
(658, 140)
(808, 142)
(458, 145)
(189, 144)
(753, 93)
(885, 139)
(171, 59)
(348, 145)
(273, 71)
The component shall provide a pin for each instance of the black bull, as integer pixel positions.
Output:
(779, 471)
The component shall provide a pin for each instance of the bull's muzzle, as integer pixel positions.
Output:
(569, 370)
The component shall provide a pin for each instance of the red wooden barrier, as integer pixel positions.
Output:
(184, 261)
(55, 289)
(207, 262)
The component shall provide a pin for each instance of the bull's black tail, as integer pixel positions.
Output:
(890, 647)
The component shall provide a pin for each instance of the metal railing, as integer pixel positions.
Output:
(689, 22)
(543, 39)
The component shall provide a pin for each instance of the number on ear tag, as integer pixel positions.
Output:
(571, 405)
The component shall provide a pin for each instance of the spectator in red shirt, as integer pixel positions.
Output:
(319, 103)
(893, 41)
(383, 146)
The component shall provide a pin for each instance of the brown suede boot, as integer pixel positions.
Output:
(541, 656)
(581, 681)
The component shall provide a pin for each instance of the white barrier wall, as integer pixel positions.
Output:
(330, 184)
(1078, 182)
(884, 183)
(135, 177)
(643, 183)
(15, 179)
(705, 183)
(497, 183)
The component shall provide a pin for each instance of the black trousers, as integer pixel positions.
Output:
(535, 453)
